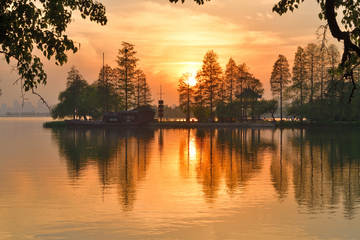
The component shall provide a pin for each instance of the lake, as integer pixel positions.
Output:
(144, 183)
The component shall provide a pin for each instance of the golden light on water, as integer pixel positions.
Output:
(192, 149)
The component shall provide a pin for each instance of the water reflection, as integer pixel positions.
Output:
(120, 155)
(279, 168)
(318, 168)
(325, 167)
(222, 155)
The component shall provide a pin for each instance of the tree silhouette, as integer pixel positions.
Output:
(139, 86)
(71, 99)
(105, 87)
(127, 63)
(231, 74)
(211, 73)
(186, 94)
(280, 77)
(312, 61)
(299, 76)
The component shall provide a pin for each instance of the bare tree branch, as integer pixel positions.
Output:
(42, 99)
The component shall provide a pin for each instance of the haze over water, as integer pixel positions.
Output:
(145, 183)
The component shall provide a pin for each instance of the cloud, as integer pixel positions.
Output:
(268, 15)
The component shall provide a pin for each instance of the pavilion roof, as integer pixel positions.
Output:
(248, 93)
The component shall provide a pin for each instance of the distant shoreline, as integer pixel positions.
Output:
(59, 124)
(258, 125)
(24, 116)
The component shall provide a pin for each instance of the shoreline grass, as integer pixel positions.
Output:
(55, 124)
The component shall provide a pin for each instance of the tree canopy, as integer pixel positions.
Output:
(28, 23)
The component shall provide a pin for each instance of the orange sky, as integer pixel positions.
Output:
(172, 39)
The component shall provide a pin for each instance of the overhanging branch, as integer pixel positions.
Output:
(337, 33)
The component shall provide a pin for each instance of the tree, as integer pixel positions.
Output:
(139, 80)
(75, 84)
(104, 85)
(71, 99)
(142, 95)
(230, 79)
(211, 73)
(223, 112)
(186, 93)
(299, 75)
(199, 108)
(115, 94)
(199, 90)
(266, 106)
(88, 106)
(25, 24)
(280, 77)
(243, 76)
(127, 63)
(146, 94)
(312, 61)
(222, 93)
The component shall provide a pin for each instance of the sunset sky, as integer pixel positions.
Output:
(172, 39)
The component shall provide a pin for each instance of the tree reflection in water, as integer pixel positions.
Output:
(279, 169)
(230, 155)
(120, 155)
(325, 167)
(321, 167)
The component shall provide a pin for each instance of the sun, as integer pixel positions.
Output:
(192, 80)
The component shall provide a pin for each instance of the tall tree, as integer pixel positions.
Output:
(75, 84)
(139, 77)
(211, 72)
(40, 24)
(146, 96)
(255, 85)
(116, 95)
(71, 99)
(299, 75)
(199, 109)
(312, 62)
(230, 79)
(223, 95)
(280, 77)
(105, 88)
(127, 63)
(142, 94)
(186, 94)
(243, 75)
(199, 90)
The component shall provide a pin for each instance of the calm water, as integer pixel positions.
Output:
(143, 183)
